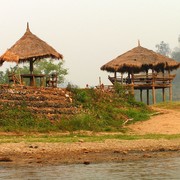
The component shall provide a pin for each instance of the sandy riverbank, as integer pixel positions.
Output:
(38, 154)
(85, 152)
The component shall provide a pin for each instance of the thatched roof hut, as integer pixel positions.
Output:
(29, 48)
(140, 59)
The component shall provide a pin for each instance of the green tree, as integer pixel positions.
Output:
(45, 66)
(176, 85)
(176, 54)
(163, 48)
(48, 67)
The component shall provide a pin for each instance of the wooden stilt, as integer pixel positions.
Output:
(147, 96)
(121, 78)
(147, 89)
(153, 88)
(170, 87)
(141, 97)
(115, 74)
(170, 91)
(163, 94)
(132, 83)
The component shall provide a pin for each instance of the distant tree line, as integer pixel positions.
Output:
(164, 49)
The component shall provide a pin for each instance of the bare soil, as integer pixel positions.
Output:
(167, 122)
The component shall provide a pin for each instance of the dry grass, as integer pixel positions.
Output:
(169, 105)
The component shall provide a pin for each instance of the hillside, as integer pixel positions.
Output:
(71, 109)
(51, 102)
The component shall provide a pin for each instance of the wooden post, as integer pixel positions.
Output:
(153, 87)
(163, 94)
(31, 72)
(147, 88)
(141, 97)
(147, 96)
(99, 81)
(132, 83)
(163, 89)
(121, 78)
(170, 87)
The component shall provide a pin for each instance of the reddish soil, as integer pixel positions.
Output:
(167, 122)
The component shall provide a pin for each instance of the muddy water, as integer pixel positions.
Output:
(149, 169)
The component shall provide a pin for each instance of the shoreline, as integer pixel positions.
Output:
(111, 150)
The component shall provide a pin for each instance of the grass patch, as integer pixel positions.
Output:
(75, 138)
(175, 105)
(21, 119)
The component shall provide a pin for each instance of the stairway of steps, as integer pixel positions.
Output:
(54, 103)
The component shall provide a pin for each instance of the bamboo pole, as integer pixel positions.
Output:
(147, 96)
(153, 87)
(163, 93)
(163, 90)
(121, 78)
(170, 87)
(132, 83)
(115, 74)
(147, 88)
(141, 97)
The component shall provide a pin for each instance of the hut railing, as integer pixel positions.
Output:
(139, 79)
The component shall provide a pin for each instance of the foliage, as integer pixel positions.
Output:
(176, 55)
(45, 66)
(103, 111)
(48, 67)
(163, 48)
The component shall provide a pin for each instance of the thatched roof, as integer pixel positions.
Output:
(28, 47)
(140, 59)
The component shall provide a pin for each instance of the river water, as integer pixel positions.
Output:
(148, 169)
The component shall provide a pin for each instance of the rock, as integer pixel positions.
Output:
(147, 156)
(80, 140)
(116, 151)
(86, 162)
(162, 149)
(5, 159)
(125, 152)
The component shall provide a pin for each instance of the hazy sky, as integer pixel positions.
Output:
(89, 33)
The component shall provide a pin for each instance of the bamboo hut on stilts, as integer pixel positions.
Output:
(145, 70)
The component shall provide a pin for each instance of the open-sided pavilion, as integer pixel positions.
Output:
(145, 70)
